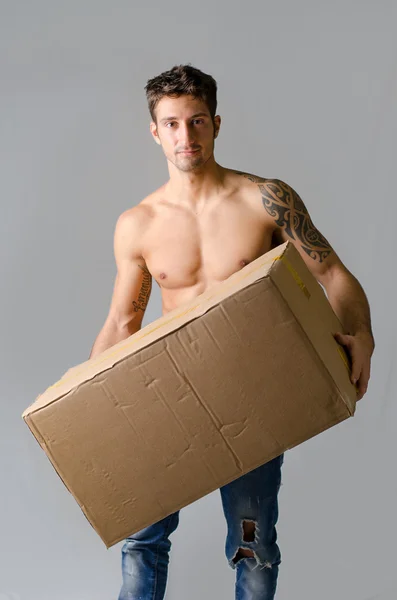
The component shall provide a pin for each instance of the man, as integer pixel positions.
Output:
(202, 225)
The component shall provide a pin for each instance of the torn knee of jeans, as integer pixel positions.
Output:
(243, 553)
(249, 535)
(249, 528)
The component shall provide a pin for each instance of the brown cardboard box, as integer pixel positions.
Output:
(197, 398)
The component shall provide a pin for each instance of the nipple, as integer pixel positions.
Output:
(244, 262)
(163, 275)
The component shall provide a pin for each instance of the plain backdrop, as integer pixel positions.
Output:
(307, 93)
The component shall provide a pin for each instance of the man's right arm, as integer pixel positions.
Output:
(132, 286)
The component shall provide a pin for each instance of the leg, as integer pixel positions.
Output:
(145, 558)
(250, 506)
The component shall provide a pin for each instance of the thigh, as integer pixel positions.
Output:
(156, 532)
(258, 484)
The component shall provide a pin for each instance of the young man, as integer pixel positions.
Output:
(202, 225)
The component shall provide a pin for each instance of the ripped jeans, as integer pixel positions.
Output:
(250, 506)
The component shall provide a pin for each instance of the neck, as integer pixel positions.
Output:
(198, 185)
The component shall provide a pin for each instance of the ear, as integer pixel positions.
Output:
(217, 125)
(154, 132)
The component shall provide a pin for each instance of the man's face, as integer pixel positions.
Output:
(184, 124)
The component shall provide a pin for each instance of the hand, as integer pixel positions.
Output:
(360, 348)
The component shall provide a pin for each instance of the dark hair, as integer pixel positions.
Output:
(181, 79)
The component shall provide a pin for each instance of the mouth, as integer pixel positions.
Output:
(189, 151)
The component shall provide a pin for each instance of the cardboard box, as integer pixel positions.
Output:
(198, 398)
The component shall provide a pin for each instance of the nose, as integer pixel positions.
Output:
(186, 137)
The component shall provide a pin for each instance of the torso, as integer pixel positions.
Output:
(186, 253)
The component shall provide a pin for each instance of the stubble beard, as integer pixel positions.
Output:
(189, 163)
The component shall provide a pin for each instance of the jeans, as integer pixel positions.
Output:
(250, 506)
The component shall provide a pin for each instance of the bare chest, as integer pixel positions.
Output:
(186, 253)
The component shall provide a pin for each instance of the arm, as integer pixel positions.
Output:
(132, 286)
(349, 302)
(345, 294)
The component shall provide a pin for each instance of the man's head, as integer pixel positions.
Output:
(182, 103)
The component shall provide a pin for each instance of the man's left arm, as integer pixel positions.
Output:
(344, 292)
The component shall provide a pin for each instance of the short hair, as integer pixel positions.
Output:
(180, 80)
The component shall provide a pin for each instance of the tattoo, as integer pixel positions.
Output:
(144, 294)
(287, 209)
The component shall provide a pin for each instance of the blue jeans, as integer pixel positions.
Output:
(250, 506)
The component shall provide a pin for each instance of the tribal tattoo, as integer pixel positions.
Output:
(144, 294)
(287, 209)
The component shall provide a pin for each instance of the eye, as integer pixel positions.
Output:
(170, 123)
(199, 120)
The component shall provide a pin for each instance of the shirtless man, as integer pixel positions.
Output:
(202, 225)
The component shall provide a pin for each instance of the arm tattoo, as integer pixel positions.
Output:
(144, 294)
(287, 209)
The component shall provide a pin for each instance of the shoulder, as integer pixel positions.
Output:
(141, 214)
(133, 224)
(245, 176)
(132, 220)
(130, 228)
(265, 184)
(262, 192)
(274, 191)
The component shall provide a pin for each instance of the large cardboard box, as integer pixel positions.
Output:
(197, 398)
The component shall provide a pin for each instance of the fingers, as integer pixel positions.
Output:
(360, 371)
(356, 372)
(364, 379)
(344, 340)
(338, 336)
(361, 392)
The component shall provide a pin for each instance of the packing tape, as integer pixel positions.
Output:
(295, 275)
(344, 357)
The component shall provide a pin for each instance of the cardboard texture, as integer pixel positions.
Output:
(197, 398)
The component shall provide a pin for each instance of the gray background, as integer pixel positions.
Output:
(307, 93)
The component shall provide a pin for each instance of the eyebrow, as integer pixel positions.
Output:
(200, 114)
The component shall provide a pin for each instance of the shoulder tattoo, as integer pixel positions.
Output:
(289, 212)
